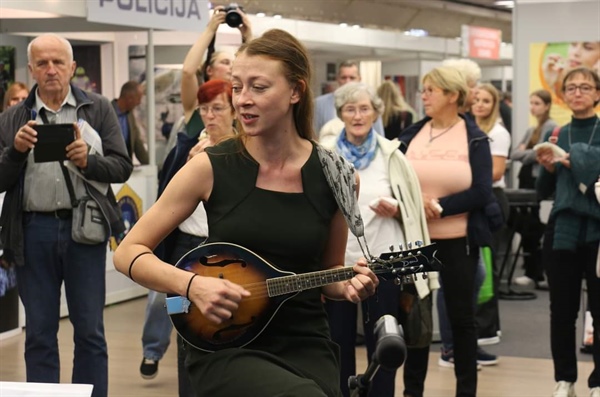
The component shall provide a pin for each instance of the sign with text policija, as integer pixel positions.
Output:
(183, 15)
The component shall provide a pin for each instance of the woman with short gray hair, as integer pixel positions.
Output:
(393, 213)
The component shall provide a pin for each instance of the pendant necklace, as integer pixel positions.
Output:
(432, 137)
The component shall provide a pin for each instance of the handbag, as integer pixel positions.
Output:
(88, 224)
(418, 324)
(486, 291)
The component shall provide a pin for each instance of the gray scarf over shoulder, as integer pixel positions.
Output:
(342, 181)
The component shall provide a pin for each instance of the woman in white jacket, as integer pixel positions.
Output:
(390, 202)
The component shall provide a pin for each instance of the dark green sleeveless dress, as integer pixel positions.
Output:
(294, 355)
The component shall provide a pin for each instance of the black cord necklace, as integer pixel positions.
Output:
(432, 137)
(591, 137)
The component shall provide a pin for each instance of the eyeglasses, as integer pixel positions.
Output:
(428, 91)
(585, 89)
(215, 109)
(351, 110)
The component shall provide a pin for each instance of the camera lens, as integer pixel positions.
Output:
(233, 18)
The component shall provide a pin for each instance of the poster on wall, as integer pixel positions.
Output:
(548, 64)
(167, 86)
(87, 74)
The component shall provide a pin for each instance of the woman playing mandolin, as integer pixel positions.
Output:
(265, 191)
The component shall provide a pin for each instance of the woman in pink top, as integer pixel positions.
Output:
(451, 157)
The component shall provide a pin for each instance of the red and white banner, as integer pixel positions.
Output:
(478, 42)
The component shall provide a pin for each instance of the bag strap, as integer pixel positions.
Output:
(65, 172)
(554, 136)
(69, 184)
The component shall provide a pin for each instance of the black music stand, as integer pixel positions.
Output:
(521, 203)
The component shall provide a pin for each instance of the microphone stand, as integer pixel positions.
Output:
(390, 352)
(361, 383)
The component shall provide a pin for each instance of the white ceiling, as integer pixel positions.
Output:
(442, 18)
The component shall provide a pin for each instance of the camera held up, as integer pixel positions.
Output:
(232, 18)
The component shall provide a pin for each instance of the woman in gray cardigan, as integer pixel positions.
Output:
(540, 102)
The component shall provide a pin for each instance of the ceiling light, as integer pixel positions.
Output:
(355, 26)
(505, 3)
(277, 16)
(416, 33)
(260, 14)
(344, 24)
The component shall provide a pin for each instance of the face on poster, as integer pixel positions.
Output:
(550, 62)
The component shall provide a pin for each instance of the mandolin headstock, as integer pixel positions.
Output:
(405, 264)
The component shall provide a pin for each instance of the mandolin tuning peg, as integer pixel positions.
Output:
(409, 245)
(392, 248)
(419, 243)
(424, 276)
(400, 247)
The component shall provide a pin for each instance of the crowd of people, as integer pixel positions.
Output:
(329, 183)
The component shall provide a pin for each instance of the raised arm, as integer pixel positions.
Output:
(194, 59)
(245, 28)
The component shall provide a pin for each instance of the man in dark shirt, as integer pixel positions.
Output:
(130, 97)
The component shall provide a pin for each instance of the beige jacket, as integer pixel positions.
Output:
(407, 190)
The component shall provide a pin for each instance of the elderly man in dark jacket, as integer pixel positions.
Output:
(37, 215)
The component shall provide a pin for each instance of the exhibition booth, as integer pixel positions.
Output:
(140, 42)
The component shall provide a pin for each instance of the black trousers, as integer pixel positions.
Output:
(458, 275)
(566, 270)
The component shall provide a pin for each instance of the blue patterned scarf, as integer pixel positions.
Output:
(360, 156)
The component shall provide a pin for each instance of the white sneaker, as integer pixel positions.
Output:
(493, 340)
(564, 389)
(595, 392)
(523, 281)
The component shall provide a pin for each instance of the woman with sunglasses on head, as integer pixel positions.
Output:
(451, 157)
(266, 191)
(572, 235)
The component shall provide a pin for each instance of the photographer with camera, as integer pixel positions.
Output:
(157, 327)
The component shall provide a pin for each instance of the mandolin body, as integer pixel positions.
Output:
(240, 266)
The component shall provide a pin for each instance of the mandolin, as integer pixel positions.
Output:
(270, 288)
